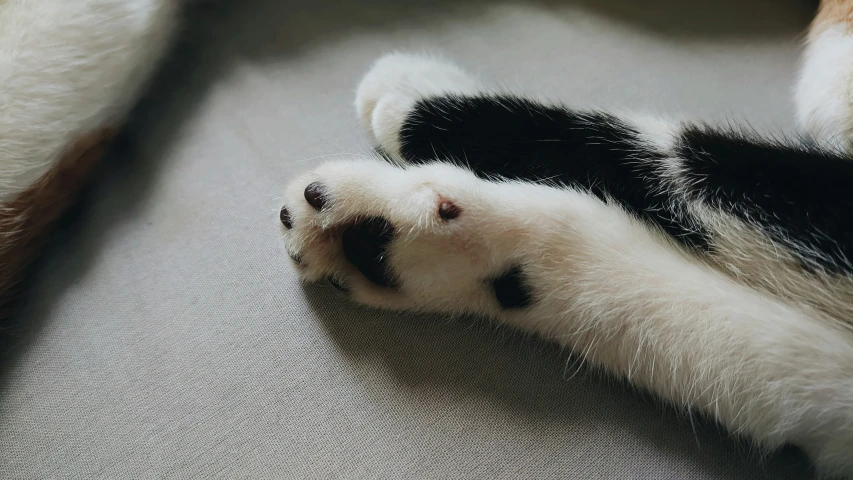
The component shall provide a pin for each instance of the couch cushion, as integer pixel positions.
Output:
(171, 338)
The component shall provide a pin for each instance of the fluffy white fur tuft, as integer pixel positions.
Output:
(824, 93)
(68, 67)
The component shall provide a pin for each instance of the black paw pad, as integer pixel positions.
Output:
(511, 289)
(448, 210)
(284, 216)
(364, 246)
(315, 195)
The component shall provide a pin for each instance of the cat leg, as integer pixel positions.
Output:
(567, 266)
(567, 224)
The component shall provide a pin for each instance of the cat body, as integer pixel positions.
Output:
(70, 73)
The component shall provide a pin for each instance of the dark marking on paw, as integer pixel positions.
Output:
(315, 195)
(284, 216)
(448, 210)
(339, 285)
(511, 289)
(297, 259)
(364, 244)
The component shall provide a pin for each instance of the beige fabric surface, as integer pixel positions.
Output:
(171, 338)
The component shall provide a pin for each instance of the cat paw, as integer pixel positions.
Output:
(824, 93)
(393, 86)
(422, 238)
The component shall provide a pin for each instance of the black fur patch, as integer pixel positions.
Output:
(511, 137)
(511, 289)
(799, 196)
(364, 245)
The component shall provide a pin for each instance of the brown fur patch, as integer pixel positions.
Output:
(27, 219)
(832, 12)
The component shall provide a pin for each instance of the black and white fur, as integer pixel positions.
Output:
(707, 266)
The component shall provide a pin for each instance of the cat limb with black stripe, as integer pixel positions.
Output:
(703, 265)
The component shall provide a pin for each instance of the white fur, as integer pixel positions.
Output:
(394, 84)
(658, 132)
(618, 293)
(68, 67)
(824, 93)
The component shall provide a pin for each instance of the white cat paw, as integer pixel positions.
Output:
(417, 238)
(393, 86)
